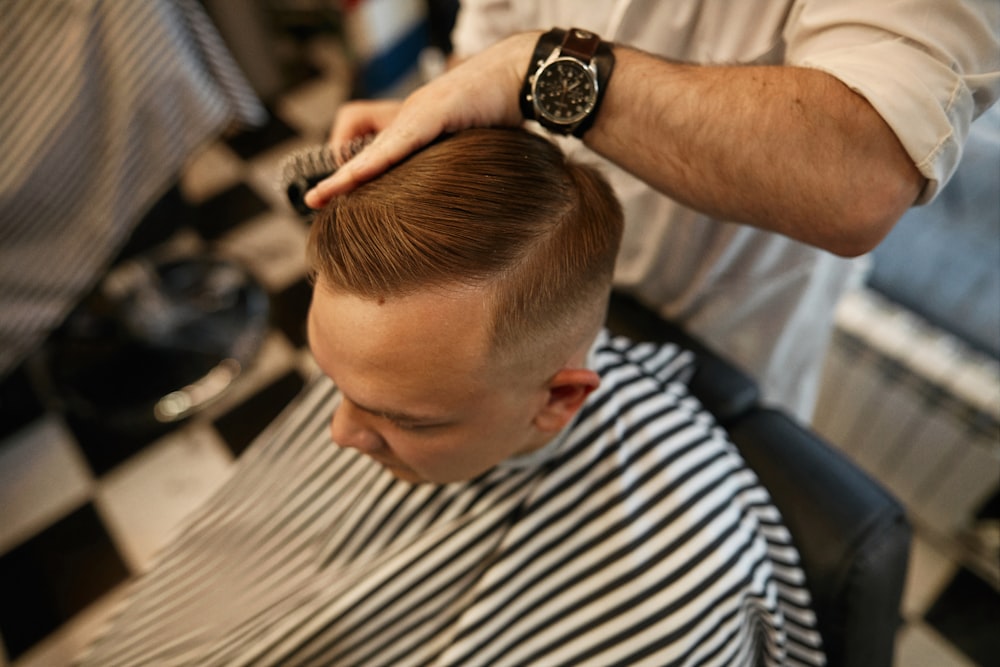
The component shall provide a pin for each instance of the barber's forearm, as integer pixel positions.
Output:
(787, 149)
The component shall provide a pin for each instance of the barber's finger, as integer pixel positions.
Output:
(397, 141)
(359, 118)
(342, 181)
(367, 164)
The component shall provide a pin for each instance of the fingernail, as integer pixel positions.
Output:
(311, 199)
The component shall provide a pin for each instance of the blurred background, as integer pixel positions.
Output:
(153, 295)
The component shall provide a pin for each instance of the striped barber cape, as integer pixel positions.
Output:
(638, 537)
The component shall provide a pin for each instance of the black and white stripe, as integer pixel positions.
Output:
(642, 539)
(101, 104)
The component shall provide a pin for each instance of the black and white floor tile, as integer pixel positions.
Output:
(82, 513)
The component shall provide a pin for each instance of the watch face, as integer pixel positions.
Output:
(564, 92)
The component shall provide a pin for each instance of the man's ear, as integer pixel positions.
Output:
(568, 389)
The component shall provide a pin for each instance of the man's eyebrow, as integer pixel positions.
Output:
(398, 416)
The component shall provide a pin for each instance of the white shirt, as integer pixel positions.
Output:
(765, 301)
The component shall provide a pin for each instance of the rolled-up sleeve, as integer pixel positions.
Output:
(929, 67)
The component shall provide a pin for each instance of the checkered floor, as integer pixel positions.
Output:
(83, 512)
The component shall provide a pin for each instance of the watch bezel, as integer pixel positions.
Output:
(565, 124)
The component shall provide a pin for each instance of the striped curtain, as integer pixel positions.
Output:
(101, 103)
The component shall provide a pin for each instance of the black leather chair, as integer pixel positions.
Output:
(852, 535)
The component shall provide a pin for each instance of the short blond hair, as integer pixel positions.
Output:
(500, 209)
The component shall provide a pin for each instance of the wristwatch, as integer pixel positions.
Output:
(566, 80)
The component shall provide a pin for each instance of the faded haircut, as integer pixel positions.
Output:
(498, 209)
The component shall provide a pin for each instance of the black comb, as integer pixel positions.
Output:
(301, 170)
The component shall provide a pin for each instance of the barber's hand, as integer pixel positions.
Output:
(480, 92)
(360, 118)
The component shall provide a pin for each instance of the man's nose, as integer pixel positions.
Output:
(349, 428)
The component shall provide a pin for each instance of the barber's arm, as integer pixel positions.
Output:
(788, 149)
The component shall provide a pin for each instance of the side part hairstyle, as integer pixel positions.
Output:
(498, 209)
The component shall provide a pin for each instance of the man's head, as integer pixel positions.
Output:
(456, 296)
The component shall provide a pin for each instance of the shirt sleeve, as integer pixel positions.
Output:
(929, 67)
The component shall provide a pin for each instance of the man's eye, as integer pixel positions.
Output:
(411, 426)
(405, 426)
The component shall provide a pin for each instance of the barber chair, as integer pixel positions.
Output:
(852, 535)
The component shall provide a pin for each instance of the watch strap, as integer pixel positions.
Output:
(604, 58)
(580, 44)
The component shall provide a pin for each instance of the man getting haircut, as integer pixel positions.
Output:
(502, 482)
(456, 300)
